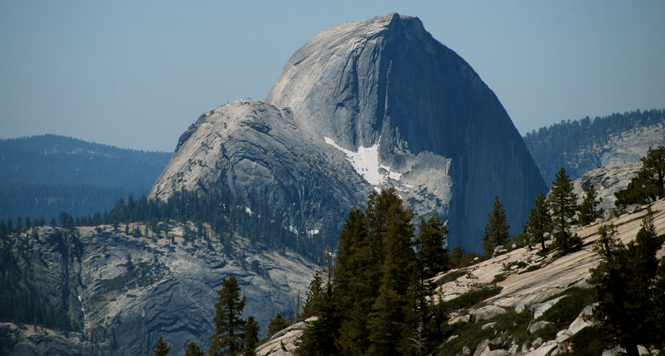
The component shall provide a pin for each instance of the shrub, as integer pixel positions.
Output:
(449, 277)
(472, 298)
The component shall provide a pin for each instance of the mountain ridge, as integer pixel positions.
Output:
(48, 174)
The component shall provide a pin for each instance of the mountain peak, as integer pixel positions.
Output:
(373, 104)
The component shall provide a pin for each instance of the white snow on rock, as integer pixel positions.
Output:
(366, 162)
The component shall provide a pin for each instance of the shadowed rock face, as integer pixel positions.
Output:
(388, 81)
(382, 103)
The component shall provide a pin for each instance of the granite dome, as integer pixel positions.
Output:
(382, 103)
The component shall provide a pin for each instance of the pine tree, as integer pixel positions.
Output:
(314, 297)
(421, 326)
(251, 335)
(653, 166)
(387, 319)
(320, 335)
(431, 255)
(460, 258)
(277, 324)
(562, 202)
(497, 230)
(3, 230)
(539, 221)
(649, 184)
(355, 290)
(229, 325)
(587, 210)
(626, 287)
(193, 349)
(162, 348)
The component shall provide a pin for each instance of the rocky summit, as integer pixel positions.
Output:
(362, 106)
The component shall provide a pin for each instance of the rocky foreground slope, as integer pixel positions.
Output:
(525, 317)
(121, 293)
(362, 106)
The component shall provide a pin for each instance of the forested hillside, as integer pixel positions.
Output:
(582, 145)
(49, 174)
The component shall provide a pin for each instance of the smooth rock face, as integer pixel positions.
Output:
(370, 104)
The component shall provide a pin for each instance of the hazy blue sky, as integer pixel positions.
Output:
(137, 73)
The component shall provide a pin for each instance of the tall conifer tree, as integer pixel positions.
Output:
(229, 325)
(562, 202)
(431, 255)
(587, 210)
(319, 338)
(162, 348)
(626, 288)
(539, 221)
(353, 292)
(497, 230)
(251, 336)
(193, 349)
(387, 320)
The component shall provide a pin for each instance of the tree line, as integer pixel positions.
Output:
(551, 146)
(375, 296)
(225, 213)
(49, 200)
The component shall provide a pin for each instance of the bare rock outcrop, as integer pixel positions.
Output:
(607, 181)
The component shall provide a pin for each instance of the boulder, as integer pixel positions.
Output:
(580, 323)
(544, 349)
(488, 312)
(482, 348)
(537, 325)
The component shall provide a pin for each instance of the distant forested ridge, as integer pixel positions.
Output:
(48, 200)
(45, 175)
(582, 145)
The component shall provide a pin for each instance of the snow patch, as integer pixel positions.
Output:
(366, 163)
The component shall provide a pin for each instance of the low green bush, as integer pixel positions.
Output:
(449, 277)
(472, 298)
(569, 307)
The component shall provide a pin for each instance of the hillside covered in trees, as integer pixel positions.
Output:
(582, 145)
(48, 174)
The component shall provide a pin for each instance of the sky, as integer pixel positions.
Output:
(135, 74)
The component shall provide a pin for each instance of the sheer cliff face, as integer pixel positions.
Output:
(381, 103)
